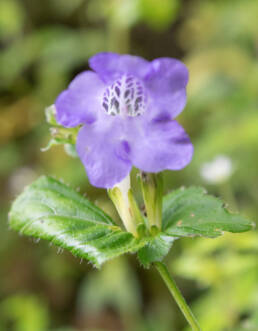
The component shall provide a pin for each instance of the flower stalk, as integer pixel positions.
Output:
(174, 290)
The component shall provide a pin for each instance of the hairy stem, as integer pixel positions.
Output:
(174, 290)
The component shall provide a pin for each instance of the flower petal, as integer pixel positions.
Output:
(104, 152)
(110, 66)
(81, 102)
(166, 83)
(160, 145)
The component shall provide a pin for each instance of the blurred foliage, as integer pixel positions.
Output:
(27, 312)
(43, 45)
(11, 18)
(159, 14)
(227, 271)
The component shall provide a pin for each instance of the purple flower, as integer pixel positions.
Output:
(126, 107)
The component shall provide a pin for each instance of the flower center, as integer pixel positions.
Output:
(126, 96)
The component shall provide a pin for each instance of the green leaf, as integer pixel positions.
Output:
(155, 249)
(191, 212)
(50, 210)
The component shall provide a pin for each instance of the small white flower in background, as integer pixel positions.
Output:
(218, 170)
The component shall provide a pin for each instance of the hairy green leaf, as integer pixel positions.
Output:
(51, 210)
(190, 212)
(155, 249)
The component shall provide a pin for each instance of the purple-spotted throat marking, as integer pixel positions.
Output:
(126, 96)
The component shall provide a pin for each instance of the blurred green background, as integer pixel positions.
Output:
(44, 44)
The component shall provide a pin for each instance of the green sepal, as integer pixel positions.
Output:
(142, 231)
(127, 209)
(122, 206)
(152, 190)
(137, 215)
(154, 230)
(60, 135)
(53, 142)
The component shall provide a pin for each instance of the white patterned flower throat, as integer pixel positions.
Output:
(126, 96)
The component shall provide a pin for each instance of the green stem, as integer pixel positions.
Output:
(228, 194)
(174, 290)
